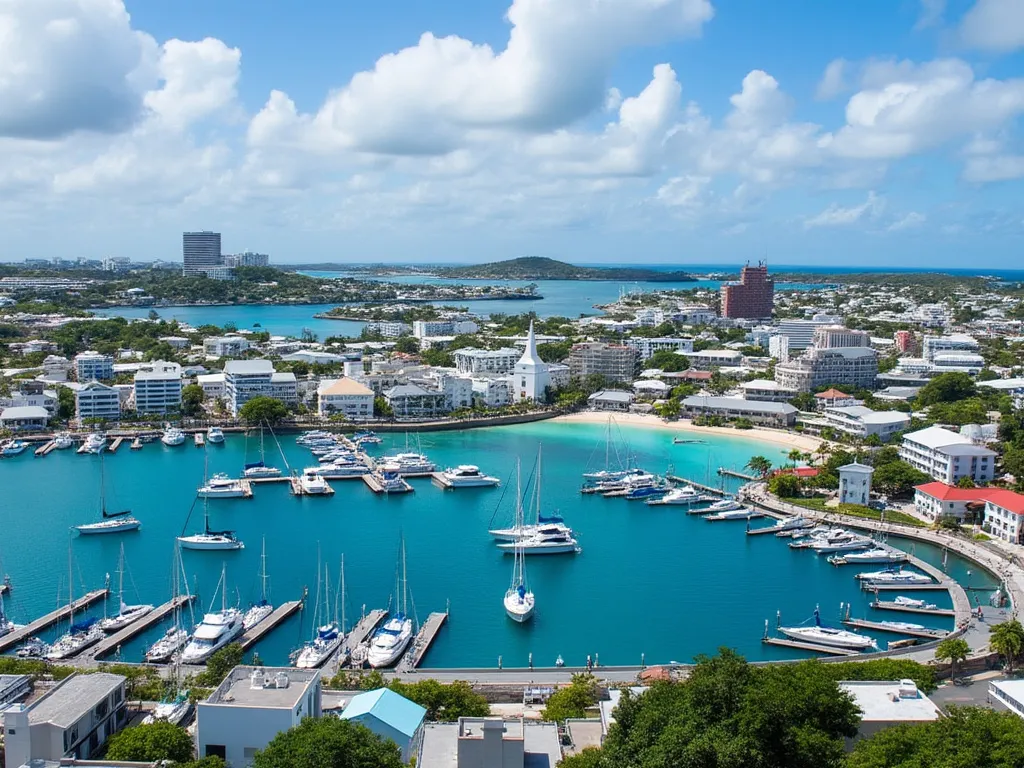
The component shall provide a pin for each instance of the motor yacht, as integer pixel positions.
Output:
(633, 478)
(790, 524)
(214, 632)
(910, 602)
(846, 544)
(901, 626)
(258, 469)
(390, 480)
(725, 505)
(411, 463)
(686, 496)
(80, 636)
(312, 482)
(95, 442)
(33, 648)
(732, 514)
(172, 436)
(174, 712)
(13, 448)
(877, 555)
(553, 543)
(215, 435)
(390, 641)
(366, 437)
(172, 641)
(823, 635)
(468, 476)
(341, 469)
(893, 576)
(341, 454)
(63, 440)
(220, 486)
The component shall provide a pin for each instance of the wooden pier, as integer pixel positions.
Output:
(885, 605)
(199, 440)
(282, 612)
(113, 642)
(925, 632)
(115, 445)
(278, 479)
(359, 637)
(18, 636)
(376, 486)
(869, 586)
(246, 488)
(733, 473)
(441, 481)
(829, 649)
(695, 484)
(45, 448)
(136, 444)
(422, 642)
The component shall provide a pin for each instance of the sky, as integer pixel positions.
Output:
(873, 133)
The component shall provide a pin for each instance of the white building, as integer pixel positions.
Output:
(855, 484)
(648, 346)
(489, 742)
(934, 500)
(474, 361)
(833, 336)
(948, 456)
(764, 413)
(284, 387)
(225, 346)
(251, 707)
(458, 390)
(958, 362)
(246, 379)
(212, 384)
(73, 719)
(707, 359)
(611, 400)
(24, 418)
(694, 315)
(778, 347)
(651, 388)
(158, 390)
(649, 316)
(97, 401)
(937, 345)
(425, 328)
(412, 401)
(800, 333)
(492, 391)
(559, 375)
(765, 390)
(855, 366)
(345, 396)
(1004, 515)
(313, 356)
(177, 342)
(884, 704)
(1010, 693)
(530, 379)
(391, 716)
(92, 366)
(389, 329)
(861, 421)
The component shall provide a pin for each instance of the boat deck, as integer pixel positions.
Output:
(257, 633)
(112, 643)
(885, 605)
(136, 444)
(829, 649)
(362, 631)
(375, 485)
(115, 444)
(298, 490)
(422, 642)
(925, 632)
(869, 587)
(18, 636)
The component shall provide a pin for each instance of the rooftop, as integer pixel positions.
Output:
(1011, 689)
(856, 467)
(936, 437)
(699, 401)
(540, 743)
(248, 366)
(613, 395)
(1014, 502)
(65, 704)
(765, 384)
(944, 492)
(891, 701)
(389, 707)
(965, 449)
(1003, 384)
(344, 386)
(274, 687)
(833, 394)
(24, 412)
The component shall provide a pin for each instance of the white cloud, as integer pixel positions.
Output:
(931, 13)
(994, 167)
(994, 25)
(911, 220)
(837, 216)
(199, 79)
(686, 192)
(833, 81)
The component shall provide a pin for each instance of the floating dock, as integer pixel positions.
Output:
(925, 632)
(246, 488)
(422, 642)
(884, 605)
(136, 444)
(733, 473)
(115, 445)
(112, 643)
(282, 612)
(699, 486)
(18, 636)
(829, 649)
(440, 480)
(199, 440)
(376, 486)
(45, 448)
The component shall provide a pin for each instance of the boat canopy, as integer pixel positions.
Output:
(122, 513)
(254, 465)
(82, 626)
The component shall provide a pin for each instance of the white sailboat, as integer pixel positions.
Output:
(259, 468)
(260, 610)
(217, 629)
(390, 641)
(822, 635)
(113, 522)
(519, 600)
(79, 636)
(174, 639)
(328, 637)
(6, 625)
(608, 473)
(126, 614)
(209, 539)
(542, 539)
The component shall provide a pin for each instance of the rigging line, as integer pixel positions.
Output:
(190, 510)
(504, 490)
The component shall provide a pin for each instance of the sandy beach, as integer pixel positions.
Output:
(805, 443)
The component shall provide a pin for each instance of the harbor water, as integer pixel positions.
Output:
(650, 580)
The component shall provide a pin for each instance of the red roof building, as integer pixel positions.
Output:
(1004, 515)
(934, 500)
(801, 472)
(834, 398)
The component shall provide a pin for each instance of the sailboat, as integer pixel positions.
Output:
(217, 629)
(328, 637)
(545, 525)
(519, 600)
(6, 625)
(608, 473)
(113, 522)
(259, 468)
(390, 641)
(209, 539)
(543, 538)
(259, 611)
(79, 636)
(126, 613)
(176, 636)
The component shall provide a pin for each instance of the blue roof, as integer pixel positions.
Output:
(388, 707)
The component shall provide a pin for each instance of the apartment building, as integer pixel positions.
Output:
(707, 359)
(97, 401)
(937, 345)
(800, 332)
(345, 396)
(646, 347)
(752, 297)
(246, 379)
(613, 361)
(92, 366)
(834, 336)
(934, 500)
(389, 329)
(158, 390)
(765, 390)
(200, 252)
(285, 387)
(411, 401)
(426, 328)
(861, 421)
(762, 413)
(492, 392)
(853, 366)
(471, 360)
(1004, 515)
(225, 346)
(948, 456)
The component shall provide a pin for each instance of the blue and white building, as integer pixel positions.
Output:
(391, 716)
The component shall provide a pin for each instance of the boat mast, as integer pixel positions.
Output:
(405, 583)
(103, 488)
(263, 569)
(342, 593)
(327, 592)
(539, 450)
(71, 590)
(223, 588)
(120, 582)
(607, 443)
(517, 565)
(316, 603)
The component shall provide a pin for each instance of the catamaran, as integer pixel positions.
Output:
(312, 482)
(390, 641)
(81, 635)
(410, 463)
(216, 630)
(126, 614)
(519, 599)
(259, 468)
(328, 637)
(823, 635)
(62, 441)
(113, 522)
(260, 610)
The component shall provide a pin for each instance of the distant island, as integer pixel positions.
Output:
(540, 268)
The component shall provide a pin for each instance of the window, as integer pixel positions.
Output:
(216, 750)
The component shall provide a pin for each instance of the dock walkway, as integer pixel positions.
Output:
(885, 605)
(282, 612)
(115, 445)
(733, 473)
(829, 649)
(695, 484)
(422, 642)
(925, 632)
(113, 642)
(45, 448)
(374, 484)
(18, 636)
(359, 636)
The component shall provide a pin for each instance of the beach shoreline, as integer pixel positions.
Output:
(806, 443)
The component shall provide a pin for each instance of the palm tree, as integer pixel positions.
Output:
(760, 465)
(1007, 639)
(955, 649)
(795, 456)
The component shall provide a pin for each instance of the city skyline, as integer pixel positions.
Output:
(683, 131)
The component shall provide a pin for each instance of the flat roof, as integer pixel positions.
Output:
(695, 401)
(248, 366)
(881, 701)
(936, 437)
(1011, 689)
(440, 748)
(238, 690)
(67, 703)
(24, 412)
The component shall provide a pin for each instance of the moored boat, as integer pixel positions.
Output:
(824, 635)
(468, 476)
(172, 436)
(220, 486)
(215, 435)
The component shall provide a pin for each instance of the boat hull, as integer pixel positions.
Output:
(543, 549)
(262, 472)
(313, 656)
(201, 542)
(377, 659)
(520, 611)
(216, 493)
(94, 529)
(850, 643)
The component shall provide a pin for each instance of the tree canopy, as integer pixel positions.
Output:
(150, 743)
(897, 478)
(946, 388)
(263, 409)
(329, 742)
(573, 700)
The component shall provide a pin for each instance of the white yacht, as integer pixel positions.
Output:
(893, 576)
(174, 711)
(13, 448)
(823, 635)
(877, 555)
(410, 463)
(112, 522)
(686, 496)
(262, 608)
(80, 636)
(328, 637)
(725, 505)
(390, 641)
(910, 602)
(312, 482)
(391, 480)
(339, 470)
(634, 478)
(220, 486)
(847, 544)
(172, 641)
(215, 435)
(519, 599)
(172, 436)
(95, 443)
(733, 514)
(554, 543)
(468, 476)
(216, 630)
(545, 528)
(210, 539)
(901, 626)
(257, 469)
(127, 614)
(367, 437)
(790, 524)
(62, 440)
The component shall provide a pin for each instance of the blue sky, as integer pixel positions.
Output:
(881, 132)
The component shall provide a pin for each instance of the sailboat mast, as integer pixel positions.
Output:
(342, 626)
(120, 582)
(405, 583)
(223, 587)
(71, 591)
(607, 443)
(103, 487)
(263, 569)
(316, 604)
(539, 450)
(327, 592)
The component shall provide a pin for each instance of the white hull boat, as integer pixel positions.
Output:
(253, 473)
(95, 443)
(173, 712)
(342, 471)
(822, 635)
(114, 525)
(128, 614)
(725, 505)
(220, 486)
(519, 600)
(685, 496)
(79, 638)
(519, 604)
(884, 578)
(256, 613)
(390, 641)
(63, 441)
(162, 650)
(910, 602)
(214, 632)
(468, 476)
(542, 545)
(210, 541)
(172, 437)
(872, 556)
(734, 514)
(314, 653)
(313, 483)
(846, 545)
(516, 533)
(215, 435)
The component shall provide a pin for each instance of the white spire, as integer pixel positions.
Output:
(530, 356)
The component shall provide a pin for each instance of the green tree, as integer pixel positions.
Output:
(219, 664)
(785, 485)
(573, 700)
(329, 742)
(192, 399)
(591, 757)
(897, 478)
(444, 702)
(263, 409)
(150, 743)
(382, 408)
(794, 456)
(1007, 639)
(970, 411)
(667, 360)
(965, 482)
(946, 388)
(954, 650)
(437, 357)
(967, 736)
(65, 403)
(210, 761)
(760, 464)
(407, 344)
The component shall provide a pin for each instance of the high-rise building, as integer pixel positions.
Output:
(832, 336)
(905, 343)
(752, 297)
(200, 251)
(854, 366)
(613, 361)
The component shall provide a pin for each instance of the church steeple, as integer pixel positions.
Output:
(530, 356)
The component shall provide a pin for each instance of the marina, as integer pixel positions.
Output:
(886, 605)
(18, 636)
(252, 636)
(115, 641)
(881, 626)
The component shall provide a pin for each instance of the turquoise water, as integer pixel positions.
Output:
(649, 580)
